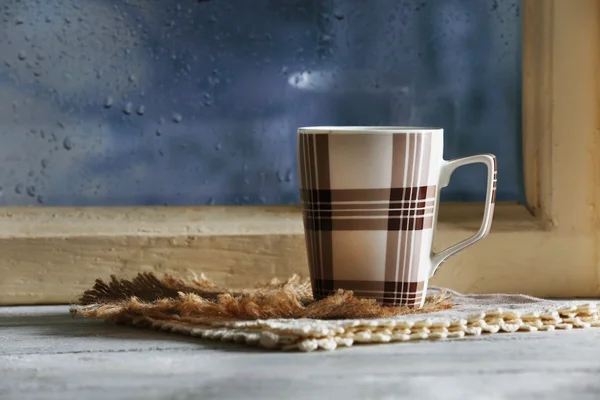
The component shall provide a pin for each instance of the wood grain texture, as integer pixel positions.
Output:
(561, 105)
(561, 130)
(537, 104)
(50, 255)
(47, 354)
(575, 157)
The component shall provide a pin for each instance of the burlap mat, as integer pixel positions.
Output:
(284, 316)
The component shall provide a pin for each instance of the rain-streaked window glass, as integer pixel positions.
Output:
(151, 102)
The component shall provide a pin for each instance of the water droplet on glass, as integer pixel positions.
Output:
(218, 147)
(213, 19)
(108, 102)
(158, 132)
(44, 163)
(288, 175)
(279, 176)
(40, 199)
(48, 19)
(161, 153)
(262, 199)
(22, 55)
(210, 201)
(213, 80)
(127, 108)
(31, 191)
(19, 188)
(140, 110)
(67, 144)
(338, 16)
(19, 21)
(247, 181)
(177, 118)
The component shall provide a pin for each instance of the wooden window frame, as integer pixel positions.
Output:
(49, 255)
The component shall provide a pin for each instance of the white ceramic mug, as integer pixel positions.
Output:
(370, 199)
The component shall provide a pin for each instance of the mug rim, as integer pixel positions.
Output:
(368, 129)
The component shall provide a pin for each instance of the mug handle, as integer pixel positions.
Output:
(448, 167)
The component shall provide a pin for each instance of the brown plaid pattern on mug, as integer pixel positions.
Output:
(403, 212)
(412, 292)
(406, 209)
(495, 177)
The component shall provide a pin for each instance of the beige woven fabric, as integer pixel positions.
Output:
(474, 315)
(470, 315)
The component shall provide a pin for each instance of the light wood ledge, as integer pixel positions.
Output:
(50, 255)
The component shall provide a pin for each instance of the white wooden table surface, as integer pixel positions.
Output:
(46, 354)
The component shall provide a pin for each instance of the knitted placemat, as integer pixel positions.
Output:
(284, 316)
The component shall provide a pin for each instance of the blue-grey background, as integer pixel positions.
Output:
(144, 102)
